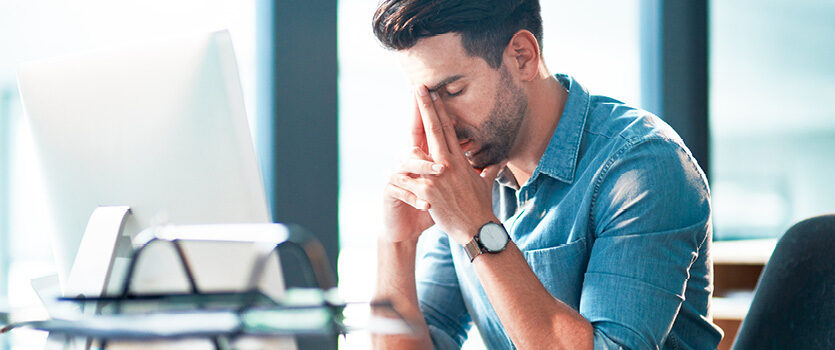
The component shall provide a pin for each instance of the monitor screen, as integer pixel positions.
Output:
(158, 127)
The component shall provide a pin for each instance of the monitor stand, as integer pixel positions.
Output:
(91, 270)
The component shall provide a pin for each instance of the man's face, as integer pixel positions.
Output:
(484, 104)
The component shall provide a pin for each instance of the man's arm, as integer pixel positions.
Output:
(396, 282)
(438, 293)
(531, 316)
(406, 217)
(650, 219)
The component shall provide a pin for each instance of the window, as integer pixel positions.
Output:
(772, 127)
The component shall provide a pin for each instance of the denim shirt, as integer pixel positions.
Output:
(615, 222)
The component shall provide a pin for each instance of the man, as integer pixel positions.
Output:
(561, 219)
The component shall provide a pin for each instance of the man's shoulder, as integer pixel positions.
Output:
(622, 123)
(639, 156)
(614, 129)
(620, 137)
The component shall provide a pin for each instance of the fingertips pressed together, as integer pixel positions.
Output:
(441, 138)
(418, 133)
(432, 128)
(446, 123)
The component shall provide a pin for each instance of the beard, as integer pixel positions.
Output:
(497, 134)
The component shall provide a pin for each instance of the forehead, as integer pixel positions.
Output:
(436, 58)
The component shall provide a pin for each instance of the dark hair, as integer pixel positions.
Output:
(485, 26)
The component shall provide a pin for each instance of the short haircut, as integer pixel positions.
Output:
(485, 26)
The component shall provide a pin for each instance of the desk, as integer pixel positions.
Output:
(737, 267)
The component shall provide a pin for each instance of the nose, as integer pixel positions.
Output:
(454, 120)
(452, 117)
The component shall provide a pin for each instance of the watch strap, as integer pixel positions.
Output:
(473, 249)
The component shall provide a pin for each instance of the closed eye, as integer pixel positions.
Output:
(453, 94)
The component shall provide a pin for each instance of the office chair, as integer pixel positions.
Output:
(794, 302)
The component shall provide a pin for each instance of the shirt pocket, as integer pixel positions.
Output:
(561, 269)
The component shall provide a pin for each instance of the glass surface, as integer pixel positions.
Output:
(772, 125)
(597, 42)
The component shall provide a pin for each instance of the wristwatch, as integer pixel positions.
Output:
(491, 238)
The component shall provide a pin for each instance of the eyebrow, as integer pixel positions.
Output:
(448, 80)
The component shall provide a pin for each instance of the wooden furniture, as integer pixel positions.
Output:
(737, 267)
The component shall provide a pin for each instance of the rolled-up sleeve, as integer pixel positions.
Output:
(650, 217)
(439, 294)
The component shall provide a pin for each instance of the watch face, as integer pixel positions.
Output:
(493, 237)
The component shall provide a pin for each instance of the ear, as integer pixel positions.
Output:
(522, 55)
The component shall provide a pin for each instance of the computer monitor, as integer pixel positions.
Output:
(158, 127)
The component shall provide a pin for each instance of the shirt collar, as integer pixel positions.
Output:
(560, 158)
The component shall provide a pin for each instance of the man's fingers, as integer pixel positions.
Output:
(407, 197)
(435, 139)
(416, 162)
(490, 172)
(418, 134)
(449, 130)
(419, 167)
(417, 152)
(415, 184)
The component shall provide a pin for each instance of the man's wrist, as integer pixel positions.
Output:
(395, 266)
(406, 243)
(469, 230)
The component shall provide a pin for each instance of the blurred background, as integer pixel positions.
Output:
(746, 82)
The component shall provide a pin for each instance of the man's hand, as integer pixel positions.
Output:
(406, 214)
(459, 198)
